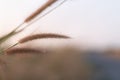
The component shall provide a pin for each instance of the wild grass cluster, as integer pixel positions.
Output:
(30, 59)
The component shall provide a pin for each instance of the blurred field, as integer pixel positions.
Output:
(49, 59)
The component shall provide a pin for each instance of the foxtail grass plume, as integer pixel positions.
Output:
(41, 9)
(42, 36)
(22, 50)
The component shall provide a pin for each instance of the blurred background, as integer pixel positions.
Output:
(95, 22)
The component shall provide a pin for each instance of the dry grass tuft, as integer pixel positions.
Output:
(41, 36)
(58, 65)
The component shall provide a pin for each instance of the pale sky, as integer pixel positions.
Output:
(93, 20)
